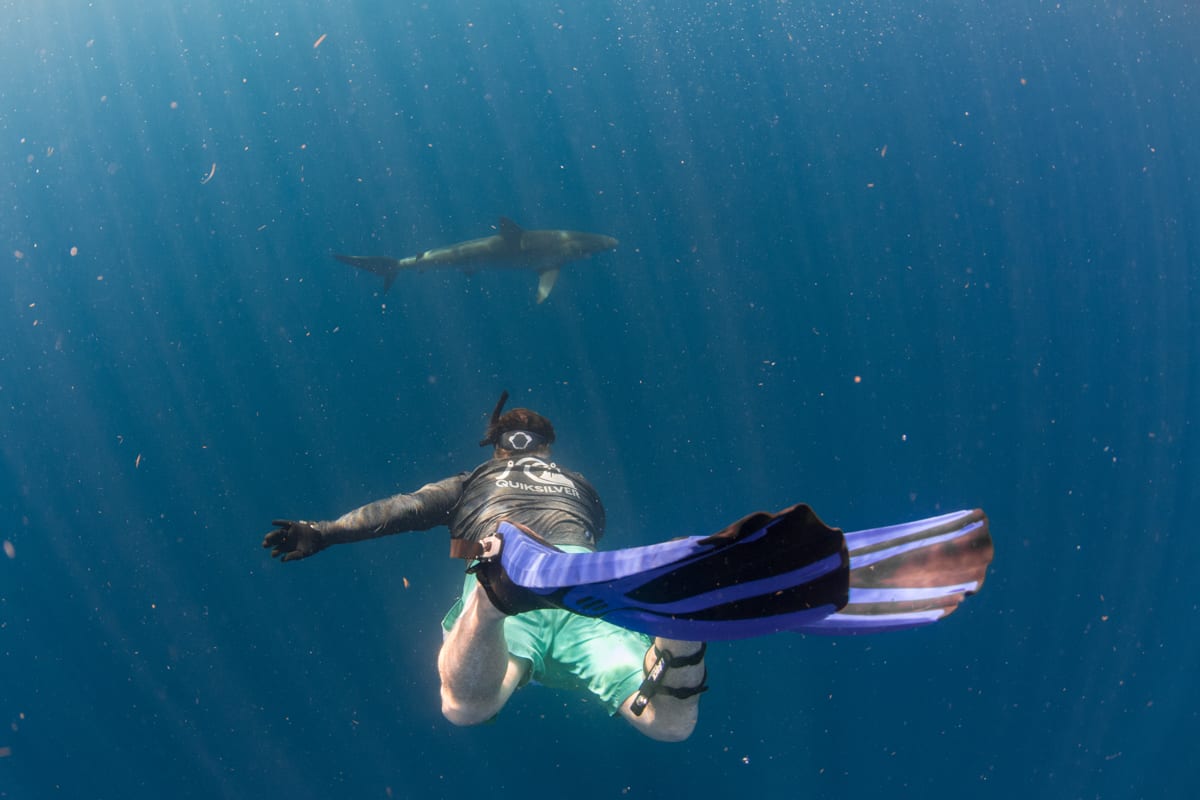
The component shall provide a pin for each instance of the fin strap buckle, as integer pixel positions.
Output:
(490, 547)
(653, 685)
(485, 549)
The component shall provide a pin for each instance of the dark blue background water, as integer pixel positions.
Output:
(988, 212)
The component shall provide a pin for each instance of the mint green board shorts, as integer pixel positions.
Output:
(568, 651)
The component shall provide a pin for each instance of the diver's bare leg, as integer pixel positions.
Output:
(478, 674)
(666, 718)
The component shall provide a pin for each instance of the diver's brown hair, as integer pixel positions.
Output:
(517, 419)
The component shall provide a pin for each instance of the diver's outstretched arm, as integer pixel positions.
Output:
(426, 508)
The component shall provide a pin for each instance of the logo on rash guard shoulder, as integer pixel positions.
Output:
(531, 474)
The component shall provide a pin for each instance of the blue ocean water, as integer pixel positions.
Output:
(888, 259)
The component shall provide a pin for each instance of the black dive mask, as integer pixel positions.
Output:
(520, 441)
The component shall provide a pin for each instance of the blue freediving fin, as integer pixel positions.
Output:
(904, 576)
(763, 574)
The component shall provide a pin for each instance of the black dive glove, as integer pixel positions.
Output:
(294, 539)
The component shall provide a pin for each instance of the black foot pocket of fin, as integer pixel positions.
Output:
(505, 595)
(798, 521)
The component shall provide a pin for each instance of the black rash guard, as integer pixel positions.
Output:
(557, 504)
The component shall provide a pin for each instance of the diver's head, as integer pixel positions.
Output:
(517, 432)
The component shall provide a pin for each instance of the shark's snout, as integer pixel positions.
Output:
(591, 243)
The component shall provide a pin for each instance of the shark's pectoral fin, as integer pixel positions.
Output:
(387, 268)
(546, 283)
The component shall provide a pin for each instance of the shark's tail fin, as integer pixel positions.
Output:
(386, 268)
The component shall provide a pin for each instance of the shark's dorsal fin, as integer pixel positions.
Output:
(510, 231)
(546, 283)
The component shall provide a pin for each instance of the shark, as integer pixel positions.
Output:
(540, 251)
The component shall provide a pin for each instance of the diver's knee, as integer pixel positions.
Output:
(459, 717)
(465, 715)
